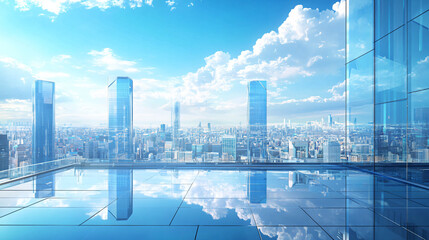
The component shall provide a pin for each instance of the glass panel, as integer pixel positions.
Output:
(390, 67)
(360, 100)
(389, 139)
(360, 28)
(418, 53)
(389, 15)
(416, 7)
(418, 134)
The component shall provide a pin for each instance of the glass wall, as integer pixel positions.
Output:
(400, 103)
(360, 25)
(360, 109)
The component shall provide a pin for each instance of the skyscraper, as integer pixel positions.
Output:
(330, 120)
(4, 152)
(257, 120)
(121, 140)
(176, 124)
(43, 121)
(229, 146)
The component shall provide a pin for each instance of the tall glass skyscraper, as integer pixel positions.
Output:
(176, 124)
(43, 121)
(4, 152)
(121, 139)
(387, 65)
(257, 120)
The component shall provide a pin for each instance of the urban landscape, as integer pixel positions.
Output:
(214, 119)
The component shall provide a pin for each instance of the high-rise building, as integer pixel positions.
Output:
(331, 152)
(257, 120)
(121, 139)
(387, 85)
(176, 124)
(330, 120)
(4, 152)
(229, 146)
(43, 121)
(162, 128)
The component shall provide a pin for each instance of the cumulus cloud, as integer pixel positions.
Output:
(308, 43)
(108, 60)
(57, 7)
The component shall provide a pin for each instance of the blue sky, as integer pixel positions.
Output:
(199, 51)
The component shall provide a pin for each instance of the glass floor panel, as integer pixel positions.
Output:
(122, 203)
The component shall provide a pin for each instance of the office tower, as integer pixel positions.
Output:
(162, 128)
(176, 125)
(121, 139)
(330, 120)
(43, 121)
(257, 120)
(121, 193)
(298, 149)
(387, 85)
(90, 149)
(229, 146)
(209, 127)
(4, 152)
(257, 187)
(331, 152)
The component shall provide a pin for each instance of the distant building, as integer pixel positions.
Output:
(257, 120)
(4, 152)
(330, 120)
(229, 146)
(162, 128)
(331, 152)
(176, 124)
(298, 149)
(43, 121)
(90, 149)
(121, 141)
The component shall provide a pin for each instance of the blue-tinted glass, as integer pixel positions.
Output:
(121, 119)
(43, 121)
(360, 28)
(418, 135)
(416, 7)
(391, 67)
(389, 15)
(360, 113)
(257, 117)
(176, 125)
(418, 53)
(390, 137)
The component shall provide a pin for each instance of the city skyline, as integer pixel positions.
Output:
(210, 82)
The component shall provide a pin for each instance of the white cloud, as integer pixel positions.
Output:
(60, 58)
(51, 75)
(424, 60)
(308, 43)
(191, 4)
(170, 2)
(57, 7)
(13, 63)
(111, 62)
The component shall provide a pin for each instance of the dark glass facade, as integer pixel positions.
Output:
(43, 121)
(4, 152)
(387, 87)
(121, 139)
(257, 120)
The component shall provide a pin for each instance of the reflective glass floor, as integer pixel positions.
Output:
(212, 204)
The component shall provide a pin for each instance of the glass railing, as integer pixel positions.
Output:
(27, 170)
